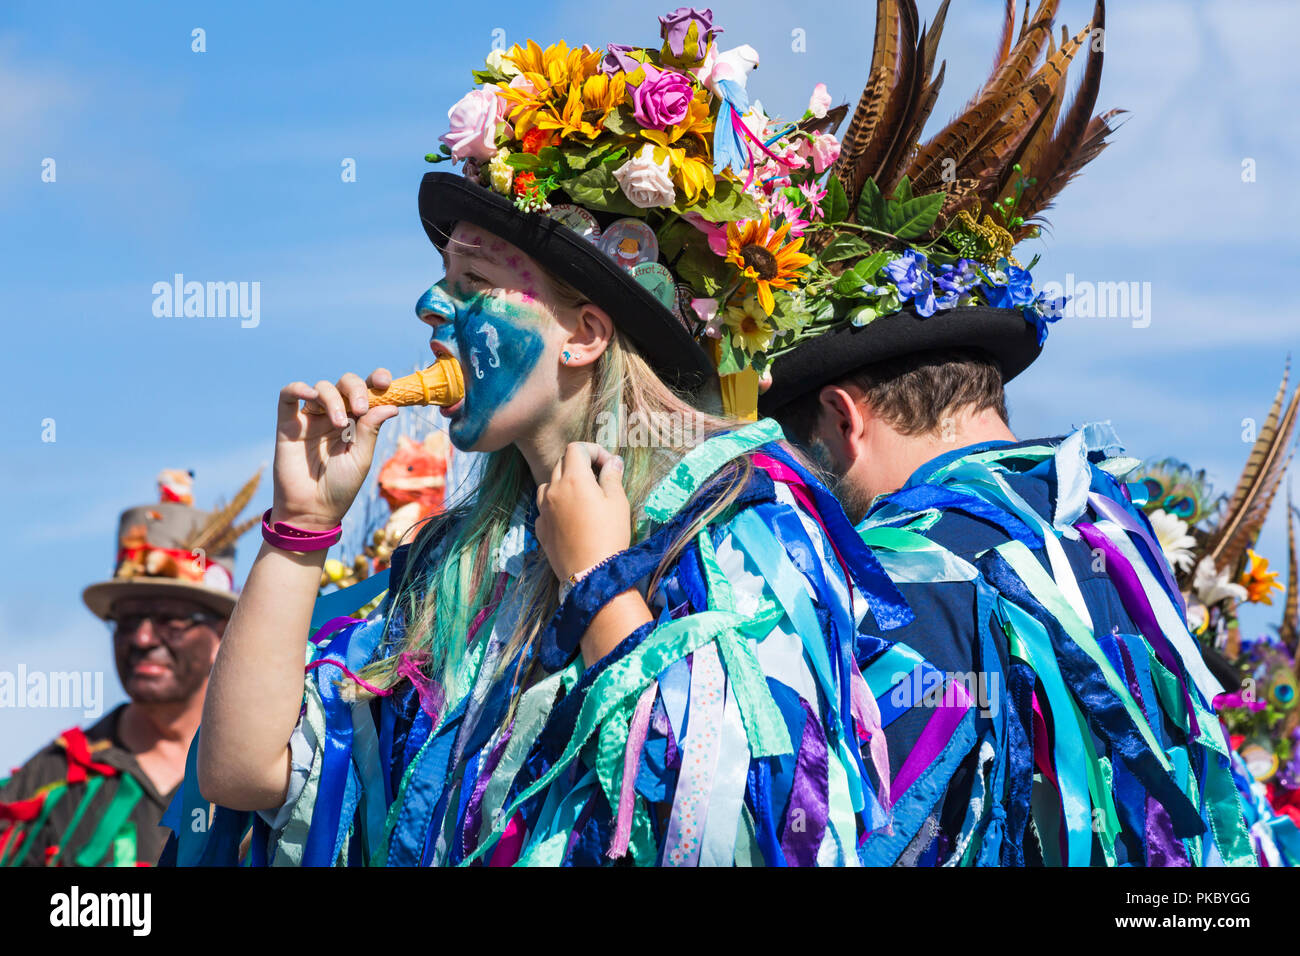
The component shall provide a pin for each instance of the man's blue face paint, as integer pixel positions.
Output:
(498, 343)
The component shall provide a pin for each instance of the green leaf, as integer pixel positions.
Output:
(731, 359)
(674, 238)
(699, 266)
(548, 156)
(622, 122)
(911, 219)
(903, 191)
(863, 314)
(729, 203)
(597, 188)
(871, 207)
(796, 198)
(845, 246)
(489, 76)
(850, 283)
(835, 205)
(523, 161)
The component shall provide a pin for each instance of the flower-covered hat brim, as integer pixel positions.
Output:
(1001, 334)
(658, 334)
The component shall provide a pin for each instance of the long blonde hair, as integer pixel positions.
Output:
(441, 600)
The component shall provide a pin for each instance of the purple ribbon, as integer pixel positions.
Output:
(1137, 605)
(474, 810)
(1113, 510)
(938, 731)
(811, 794)
(332, 627)
(1163, 847)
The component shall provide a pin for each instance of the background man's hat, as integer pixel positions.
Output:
(919, 236)
(172, 549)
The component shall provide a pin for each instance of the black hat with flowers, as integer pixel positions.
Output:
(720, 239)
(648, 179)
(914, 252)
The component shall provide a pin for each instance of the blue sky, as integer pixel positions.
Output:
(225, 166)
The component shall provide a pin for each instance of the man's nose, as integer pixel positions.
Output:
(144, 634)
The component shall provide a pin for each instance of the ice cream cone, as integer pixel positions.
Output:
(440, 384)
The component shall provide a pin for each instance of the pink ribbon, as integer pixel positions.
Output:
(636, 735)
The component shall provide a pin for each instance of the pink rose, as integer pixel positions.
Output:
(820, 101)
(824, 149)
(662, 98)
(474, 121)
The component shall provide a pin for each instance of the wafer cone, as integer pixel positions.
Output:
(440, 384)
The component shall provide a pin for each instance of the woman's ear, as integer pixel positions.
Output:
(590, 336)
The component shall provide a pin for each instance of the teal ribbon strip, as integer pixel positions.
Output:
(700, 464)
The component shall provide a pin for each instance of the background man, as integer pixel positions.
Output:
(95, 797)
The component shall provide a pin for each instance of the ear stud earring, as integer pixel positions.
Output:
(567, 356)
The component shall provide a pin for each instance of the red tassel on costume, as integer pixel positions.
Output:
(22, 811)
(78, 750)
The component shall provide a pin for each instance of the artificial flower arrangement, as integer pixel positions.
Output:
(668, 137)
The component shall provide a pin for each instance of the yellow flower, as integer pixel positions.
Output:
(1258, 580)
(687, 145)
(749, 327)
(585, 107)
(552, 88)
(757, 251)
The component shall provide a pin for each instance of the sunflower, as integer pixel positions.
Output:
(554, 86)
(749, 326)
(585, 107)
(1258, 580)
(757, 252)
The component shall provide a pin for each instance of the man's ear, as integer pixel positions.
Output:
(842, 424)
(592, 331)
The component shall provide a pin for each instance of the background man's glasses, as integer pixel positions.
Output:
(167, 627)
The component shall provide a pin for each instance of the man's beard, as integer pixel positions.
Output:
(856, 503)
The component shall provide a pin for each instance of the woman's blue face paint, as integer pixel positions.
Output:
(498, 343)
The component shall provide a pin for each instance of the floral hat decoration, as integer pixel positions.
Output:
(720, 238)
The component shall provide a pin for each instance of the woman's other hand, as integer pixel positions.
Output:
(583, 514)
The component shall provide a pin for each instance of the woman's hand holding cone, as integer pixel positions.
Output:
(324, 444)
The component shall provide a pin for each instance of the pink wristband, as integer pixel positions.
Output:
(289, 538)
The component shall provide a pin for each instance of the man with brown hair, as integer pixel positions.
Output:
(1041, 601)
(872, 429)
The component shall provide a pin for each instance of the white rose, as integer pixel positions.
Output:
(645, 182)
(496, 60)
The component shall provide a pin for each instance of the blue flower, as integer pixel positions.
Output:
(913, 281)
(1044, 310)
(955, 282)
